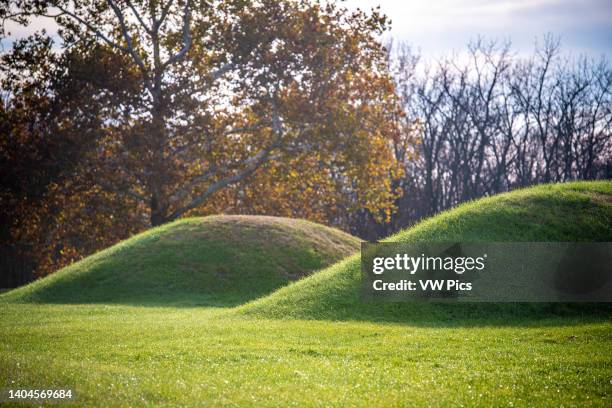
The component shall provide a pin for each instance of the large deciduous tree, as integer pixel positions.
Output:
(218, 87)
(167, 103)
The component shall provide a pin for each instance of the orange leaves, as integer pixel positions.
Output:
(301, 83)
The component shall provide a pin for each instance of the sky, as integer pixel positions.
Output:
(441, 27)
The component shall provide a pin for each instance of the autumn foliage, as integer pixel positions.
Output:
(151, 111)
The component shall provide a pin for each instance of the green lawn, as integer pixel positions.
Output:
(580, 211)
(126, 356)
(188, 315)
(206, 261)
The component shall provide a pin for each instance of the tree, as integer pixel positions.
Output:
(217, 88)
(51, 211)
(292, 97)
(495, 122)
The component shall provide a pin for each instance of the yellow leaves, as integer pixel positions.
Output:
(352, 168)
(324, 74)
(68, 224)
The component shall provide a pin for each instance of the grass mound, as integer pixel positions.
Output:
(579, 211)
(216, 261)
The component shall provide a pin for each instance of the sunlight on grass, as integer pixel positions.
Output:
(313, 342)
(118, 356)
(554, 213)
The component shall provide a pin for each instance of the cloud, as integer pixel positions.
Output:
(443, 26)
(440, 26)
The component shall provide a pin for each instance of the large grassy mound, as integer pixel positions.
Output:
(580, 211)
(217, 260)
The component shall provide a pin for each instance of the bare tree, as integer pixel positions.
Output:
(498, 122)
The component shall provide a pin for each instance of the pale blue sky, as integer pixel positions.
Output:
(442, 26)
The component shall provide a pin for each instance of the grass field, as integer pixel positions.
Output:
(554, 213)
(211, 261)
(126, 356)
(313, 343)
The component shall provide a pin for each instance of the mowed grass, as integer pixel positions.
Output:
(314, 343)
(571, 212)
(211, 261)
(135, 356)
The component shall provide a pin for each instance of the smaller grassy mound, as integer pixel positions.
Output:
(217, 261)
(580, 211)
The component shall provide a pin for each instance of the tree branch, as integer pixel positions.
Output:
(127, 37)
(139, 17)
(97, 32)
(250, 166)
(157, 23)
(186, 38)
(254, 163)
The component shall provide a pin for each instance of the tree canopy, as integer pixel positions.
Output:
(156, 109)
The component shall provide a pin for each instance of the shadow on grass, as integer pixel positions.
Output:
(427, 314)
(483, 314)
(178, 301)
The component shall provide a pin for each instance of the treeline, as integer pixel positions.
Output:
(288, 108)
(136, 114)
(488, 121)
